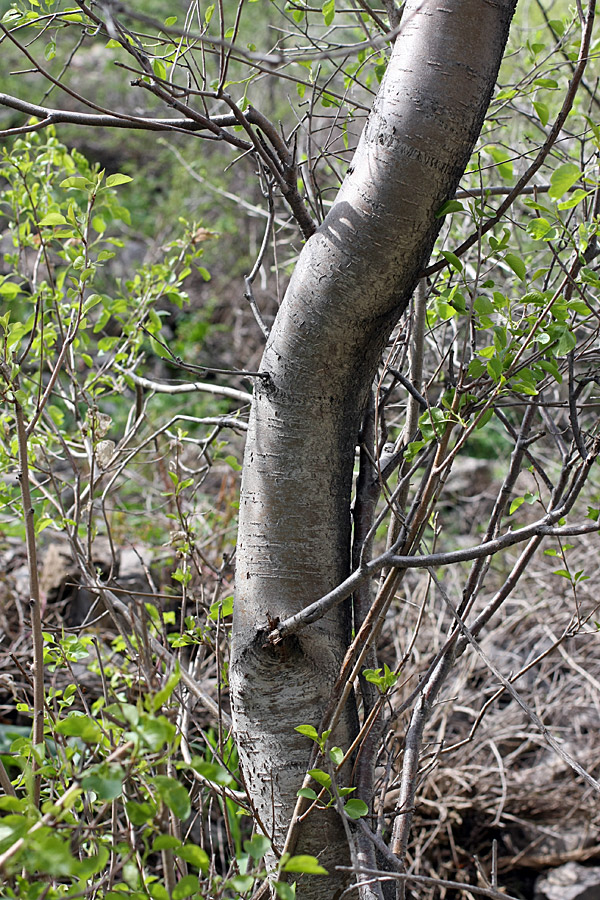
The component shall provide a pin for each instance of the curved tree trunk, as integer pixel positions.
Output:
(353, 280)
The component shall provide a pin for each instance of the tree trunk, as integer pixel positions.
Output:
(353, 280)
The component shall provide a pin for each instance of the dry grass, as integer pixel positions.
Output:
(490, 783)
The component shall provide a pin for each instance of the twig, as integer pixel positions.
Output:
(249, 279)
(410, 767)
(34, 586)
(5, 782)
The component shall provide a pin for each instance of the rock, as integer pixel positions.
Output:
(569, 882)
(60, 579)
(469, 477)
(134, 569)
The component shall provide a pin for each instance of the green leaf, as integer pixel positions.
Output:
(91, 865)
(329, 11)
(309, 865)
(336, 755)
(356, 808)
(76, 181)
(174, 795)
(383, 682)
(309, 731)
(106, 781)
(542, 111)
(160, 71)
(241, 883)
(51, 855)
(450, 206)
(185, 887)
(195, 856)
(494, 368)
(516, 503)
(155, 702)
(43, 523)
(517, 265)
(233, 463)
(285, 891)
(308, 793)
(452, 260)
(432, 423)
(155, 731)
(9, 289)
(12, 804)
(258, 846)
(500, 337)
(114, 180)
(81, 726)
(165, 842)
(566, 343)
(126, 711)
(221, 609)
(484, 306)
(158, 349)
(562, 179)
(413, 448)
(140, 813)
(549, 366)
(576, 197)
(343, 792)
(444, 310)
(503, 162)
(212, 772)
(541, 229)
(320, 777)
(53, 219)
(485, 418)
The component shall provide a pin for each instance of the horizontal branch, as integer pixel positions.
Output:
(433, 882)
(52, 116)
(190, 388)
(316, 610)
(500, 191)
(489, 548)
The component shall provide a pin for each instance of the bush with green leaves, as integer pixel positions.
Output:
(99, 797)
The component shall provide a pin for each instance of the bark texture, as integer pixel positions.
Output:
(353, 280)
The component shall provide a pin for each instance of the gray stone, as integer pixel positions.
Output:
(569, 882)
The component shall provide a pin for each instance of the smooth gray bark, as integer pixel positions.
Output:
(353, 280)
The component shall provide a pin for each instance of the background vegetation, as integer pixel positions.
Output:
(129, 338)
